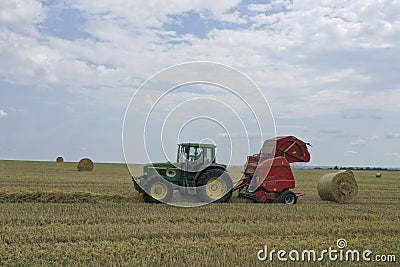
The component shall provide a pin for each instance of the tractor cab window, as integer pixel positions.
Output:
(208, 155)
(190, 153)
(183, 154)
(196, 154)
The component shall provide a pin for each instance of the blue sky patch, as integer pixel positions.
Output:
(64, 22)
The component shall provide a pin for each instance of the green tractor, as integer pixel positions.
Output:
(195, 173)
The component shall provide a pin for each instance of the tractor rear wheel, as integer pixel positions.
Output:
(215, 185)
(287, 197)
(157, 190)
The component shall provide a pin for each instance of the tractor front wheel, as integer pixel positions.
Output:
(157, 190)
(215, 185)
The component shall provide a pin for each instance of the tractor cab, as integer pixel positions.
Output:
(194, 157)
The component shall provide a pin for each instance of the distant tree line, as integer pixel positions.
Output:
(354, 168)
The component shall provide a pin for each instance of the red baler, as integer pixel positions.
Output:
(267, 175)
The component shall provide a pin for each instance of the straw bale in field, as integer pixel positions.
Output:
(85, 165)
(340, 187)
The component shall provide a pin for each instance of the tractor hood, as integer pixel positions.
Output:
(165, 169)
(158, 168)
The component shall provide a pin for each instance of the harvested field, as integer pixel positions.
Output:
(113, 226)
(56, 196)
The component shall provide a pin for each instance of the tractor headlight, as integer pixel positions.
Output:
(171, 173)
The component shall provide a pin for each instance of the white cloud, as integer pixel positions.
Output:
(273, 5)
(150, 15)
(386, 100)
(234, 17)
(280, 50)
(21, 15)
(359, 142)
(3, 114)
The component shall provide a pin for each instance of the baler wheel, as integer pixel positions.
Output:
(287, 197)
(157, 190)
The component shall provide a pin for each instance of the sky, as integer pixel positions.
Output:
(328, 69)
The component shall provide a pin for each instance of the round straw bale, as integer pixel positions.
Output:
(340, 187)
(85, 165)
(59, 159)
(378, 175)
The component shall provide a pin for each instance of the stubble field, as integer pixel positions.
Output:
(52, 214)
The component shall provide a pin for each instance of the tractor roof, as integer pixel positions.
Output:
(198, 145)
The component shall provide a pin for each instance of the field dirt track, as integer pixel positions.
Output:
(53, 215)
